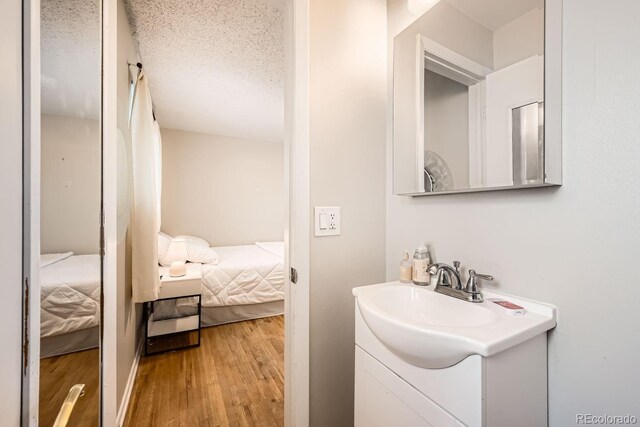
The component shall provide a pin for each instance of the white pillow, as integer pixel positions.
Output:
(164, 240)
(202, 254)
(199, 250)
(193, 240)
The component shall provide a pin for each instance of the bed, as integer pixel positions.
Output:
(247, 283)
(69, 303)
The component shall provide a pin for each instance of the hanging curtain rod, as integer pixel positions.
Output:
(135, 88)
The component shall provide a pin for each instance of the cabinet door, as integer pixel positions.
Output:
(383, 399)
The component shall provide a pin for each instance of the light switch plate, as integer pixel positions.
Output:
(330, 224)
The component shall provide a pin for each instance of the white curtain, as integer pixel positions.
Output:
(145, 218)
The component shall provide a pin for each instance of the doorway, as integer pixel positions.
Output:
(168, 140)
(297, 210)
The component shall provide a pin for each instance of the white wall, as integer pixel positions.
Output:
(519, 39)
(516, 85)
(70, 185)
(225, 190)
(446, 124)
(347, 112)
(574, 246)
(129, 330)
(11, 212)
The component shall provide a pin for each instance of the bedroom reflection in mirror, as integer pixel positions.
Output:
(70, 277)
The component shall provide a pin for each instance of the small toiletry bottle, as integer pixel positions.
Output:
(421, 262)
(406, 268)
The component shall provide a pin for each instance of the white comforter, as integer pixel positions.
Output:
(69, 294)
(245, 275)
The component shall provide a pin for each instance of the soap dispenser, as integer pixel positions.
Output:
(421, 262)
(406, 268)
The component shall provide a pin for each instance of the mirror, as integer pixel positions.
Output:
(470, 112)
(70, 264)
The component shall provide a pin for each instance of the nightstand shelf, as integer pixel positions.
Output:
(181, 331)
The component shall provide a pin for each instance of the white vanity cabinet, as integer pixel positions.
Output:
(505, 389)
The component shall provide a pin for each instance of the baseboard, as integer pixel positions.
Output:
(124, 404)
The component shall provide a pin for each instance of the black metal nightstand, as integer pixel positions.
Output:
(178, 330)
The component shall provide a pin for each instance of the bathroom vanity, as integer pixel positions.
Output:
(427, 359)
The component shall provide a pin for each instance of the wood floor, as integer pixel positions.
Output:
(57, 375)
(235, 378)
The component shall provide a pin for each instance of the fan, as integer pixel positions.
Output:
(437, 175)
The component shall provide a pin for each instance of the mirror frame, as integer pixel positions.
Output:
(552, 111)
(31, 111)
(31, 130)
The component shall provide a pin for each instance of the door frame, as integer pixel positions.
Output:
(30, 367)
(31, 126)
(297, 226)
(296, 148)
(109, 342)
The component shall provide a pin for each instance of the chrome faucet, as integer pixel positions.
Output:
(446, 280)
(444, 275)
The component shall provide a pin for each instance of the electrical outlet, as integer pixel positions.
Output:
(327, 221)
(332, 221)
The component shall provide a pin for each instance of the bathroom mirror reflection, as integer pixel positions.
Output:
(469, 103)
(70, 265)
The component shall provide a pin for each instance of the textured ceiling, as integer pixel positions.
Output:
(214, 66)
(494, 14)
(70, 57)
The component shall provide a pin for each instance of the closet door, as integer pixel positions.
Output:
(70, 268)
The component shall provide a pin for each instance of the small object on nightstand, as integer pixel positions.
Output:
(178, 252)
(177, 269)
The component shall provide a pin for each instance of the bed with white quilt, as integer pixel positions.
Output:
(69, 303)
(247, 282)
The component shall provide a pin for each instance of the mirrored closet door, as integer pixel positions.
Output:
(70, 264)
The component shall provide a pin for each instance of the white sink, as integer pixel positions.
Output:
(432, 330)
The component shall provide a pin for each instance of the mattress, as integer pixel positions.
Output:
(244, 275)
(57, 345)
(213, 316)
(70, 295)
(276, 248)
